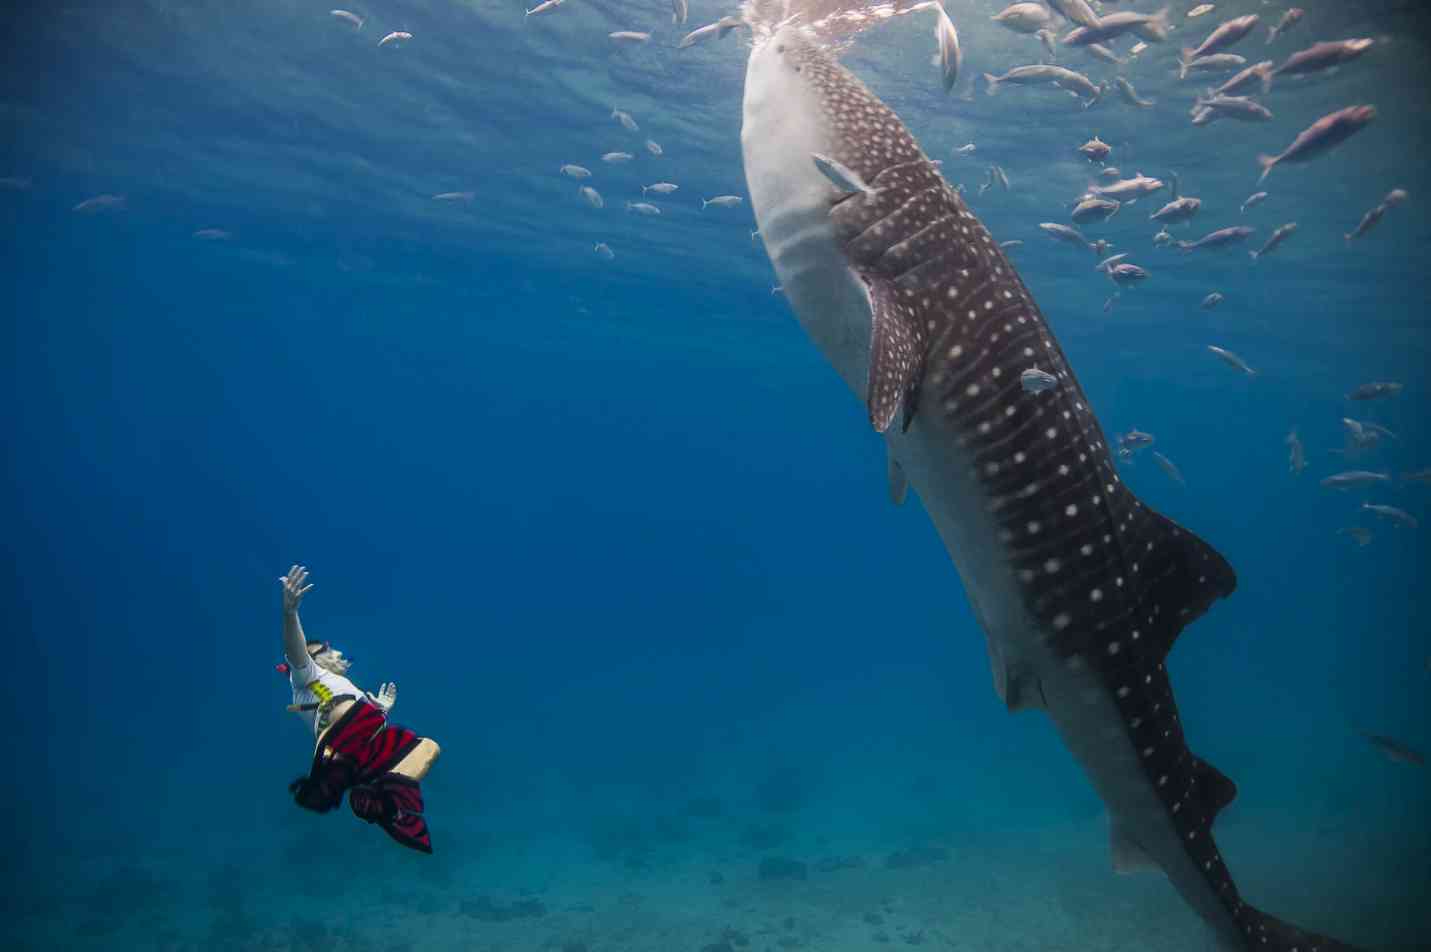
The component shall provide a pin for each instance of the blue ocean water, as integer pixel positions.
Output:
(615, 528)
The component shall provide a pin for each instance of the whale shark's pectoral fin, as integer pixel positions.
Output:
(1128, 856)
(896, 356)
(898, 482)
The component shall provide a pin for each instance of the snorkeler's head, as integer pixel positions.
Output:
(328, 658)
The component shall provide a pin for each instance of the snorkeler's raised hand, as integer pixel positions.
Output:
(294, 587)
(386, 696)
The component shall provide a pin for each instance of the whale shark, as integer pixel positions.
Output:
(1079, 587)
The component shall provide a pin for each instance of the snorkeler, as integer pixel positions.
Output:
(377, 763)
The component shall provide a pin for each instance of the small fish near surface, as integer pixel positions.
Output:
(1392, 514)
(660, 188)
(629, 37)
(1152, 27)
(546, 6)
(1282, 233)
(1211, 301)
(654, 147)
(576, 171)
(1355, 479)
(1128, 189)
(101, 203)
(603, 250)
(643, 208)
(592, 196)
(950, 57)
(1320, 137)
(1163, 238)
(1232, 360)
(395, 38)
(454, 196)
(722, 201)
(1375, 390)
(929, 339)
(616, 158)
(1071, 236)
(1221, 238)
(1256, 198)
(627, 122)
(1125, 274)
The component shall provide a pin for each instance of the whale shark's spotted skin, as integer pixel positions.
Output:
(1081, 589)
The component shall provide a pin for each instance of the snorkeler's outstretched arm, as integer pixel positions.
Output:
(295, 586)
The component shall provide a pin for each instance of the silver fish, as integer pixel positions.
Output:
(576, 171)
(1393, 198)
(604, 251)
(680, 12)
(1375, 389)
(615, 158)
(1042, 74)
(966, 149)
(1234, 107)
(454, 196)
(1392, 514)
(1094, 209)
(1130, 95)
(1212, 63)
(1011, 244)
(1023, 17)
(1166, 465)
(1100, 52)
(642, 208)
(592, 196)
(546, 6)
(1066, 234)
(627, 122)
(1076, 11)
(1200, 10)
(1110, 173)
(716, 30)
(212, 234)
(1282, 233)
(1034, 380)
(1023, 504)
(101, 203)
(660, 188)
(633, 37)
(1218, 239)
(1232, 360)
(1354, 479)
(1326, 133)
(1227, 34)
(352, 19)
(396, 38)
(654, 147)
(1124, 274)
(1135, 439)
(1107, 263)
(1322, 56)
(1296, 453)
(1151, 27)
(1258, 74)
(1177, 211)
(722, 201)
(840, 176)
(1211, 301)
(950, 56)
(1129, 189)
(1095, 149)
(1289, 20)
(1162, 238)
(1256, 198)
